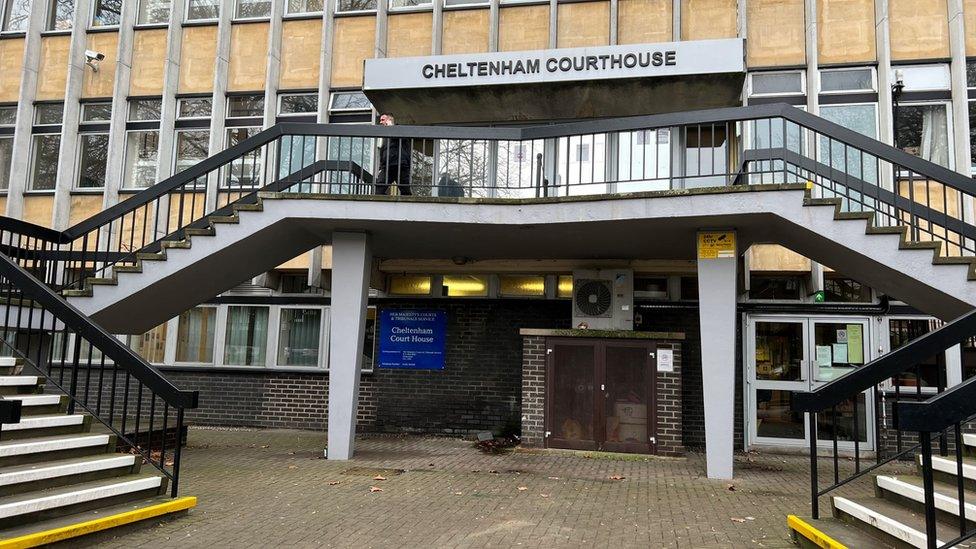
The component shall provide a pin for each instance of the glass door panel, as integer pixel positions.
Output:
(839, 347)
(779, 351)
(571, 396)
(775, 416)
(628, 404)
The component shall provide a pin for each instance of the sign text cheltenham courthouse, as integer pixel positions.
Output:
(562, 65)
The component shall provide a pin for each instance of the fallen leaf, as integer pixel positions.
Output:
(617, 477)
(750, 518)
(266, 446)
(375, 489)
(731, 487)
(293, 467)
(522, 488)
(553, 478)
(544, 495)
(737, 519)
(379, 477)
(457, 493)
(333, 483)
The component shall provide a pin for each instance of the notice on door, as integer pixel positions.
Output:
(716, 245)
(412, 339)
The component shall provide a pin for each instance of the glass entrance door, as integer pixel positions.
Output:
(785, 355)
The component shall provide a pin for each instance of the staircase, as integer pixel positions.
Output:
(60, 477)
(895, 516)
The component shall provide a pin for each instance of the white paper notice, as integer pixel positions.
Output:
(665, 360)
(840, 353)
(824, 357)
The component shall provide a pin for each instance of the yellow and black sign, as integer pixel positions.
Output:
(716, 245)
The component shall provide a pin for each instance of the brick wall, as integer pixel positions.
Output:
(479, 388)
(668, 387)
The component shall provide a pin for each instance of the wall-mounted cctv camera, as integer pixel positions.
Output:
(92, 58)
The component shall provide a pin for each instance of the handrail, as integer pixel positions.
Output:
(711, 116)
(108, 344)
(955, 405)
(887, 366)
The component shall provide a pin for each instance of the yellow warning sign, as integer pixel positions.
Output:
(716, 245)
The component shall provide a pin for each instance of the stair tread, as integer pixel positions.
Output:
(845, 533)
(45, 421)
(77, 518)
(54, 440)
(10, 470)
(945, 530)
(947, 489)
(34, 399)
(18, 380)
(72, 488)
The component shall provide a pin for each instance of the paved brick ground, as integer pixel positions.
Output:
(270, 488)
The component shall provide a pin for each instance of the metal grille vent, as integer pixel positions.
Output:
(594, 297)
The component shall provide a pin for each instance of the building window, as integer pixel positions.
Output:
(16, 14)
(8, 118)
(252, 9)
(192, 147)
(522, 286)
(294, 7)
(776, 83)
(194, 107)
(195, 335)
(45, 146)
(93, 153)
(972, 137)
(847, 80)
(298, 103)
(245, 106)
(299, 337)
(106, 13)
(923, 130)
(410, 285)
(44, 161)
(197, 10)
(153, 12)
(246, 339)
(246, 171)
(774, 287)
(142, 144)
(60, 14)
(410, 3)
(931, 371)
(151, 345)
(840, 289)
(923, 77)
(464, 286)
(145, 109)
(564, 286)
(463, 2)
(96, 112)
(356, 5)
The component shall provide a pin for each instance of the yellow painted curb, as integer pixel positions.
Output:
(92, 526)
(804, 529)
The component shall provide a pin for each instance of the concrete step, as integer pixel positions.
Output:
(907, 489)
(49, 474)
(895, 524)
(99, 524)
(946, 469)
(18, 509)
(46, 425)
(14, 385)
(41, 449)
(40, 404)
(830, 532)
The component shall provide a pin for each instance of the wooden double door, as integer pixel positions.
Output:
(600, 395)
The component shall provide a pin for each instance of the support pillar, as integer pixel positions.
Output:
(351, 265)
(717, 265)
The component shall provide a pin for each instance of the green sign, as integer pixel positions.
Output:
(819, 297)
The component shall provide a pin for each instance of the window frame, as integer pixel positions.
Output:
(374, 9)
(5, 18)
(238, 17)
(188, 19)
(282, 96)
(93, 14)
(299, 14)
(76, 184)
(218, 320)
(872, 89)
(125, 157)
(888, 386)
(324, 329)
(176, 142)
(803, 84)
(949, 128)
(390, 8)
(52, 9)
(169, 15)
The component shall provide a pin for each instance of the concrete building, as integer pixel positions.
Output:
(100, 100)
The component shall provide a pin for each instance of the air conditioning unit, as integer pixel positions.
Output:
(603, 299)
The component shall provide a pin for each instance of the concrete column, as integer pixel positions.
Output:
(120, 111)
(20, 156)
(717, 306)
(960, 95)
(219, 113)
(274, 70)
(493, 17)
(171, 84)
(553, 23)
(68, 153)
(321, 146)
(351, 265)
(437, 28)
(614, 16)
(676, 20)
(953, 361)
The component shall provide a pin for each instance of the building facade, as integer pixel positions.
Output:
(101, 99)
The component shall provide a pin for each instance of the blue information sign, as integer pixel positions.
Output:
(412, 339)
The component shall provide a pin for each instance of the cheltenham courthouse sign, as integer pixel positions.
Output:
(564, 65)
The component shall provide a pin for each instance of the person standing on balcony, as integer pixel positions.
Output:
(394, 161)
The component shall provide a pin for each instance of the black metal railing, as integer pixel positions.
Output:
(762, 144)
(916, 419)
(99, 374)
